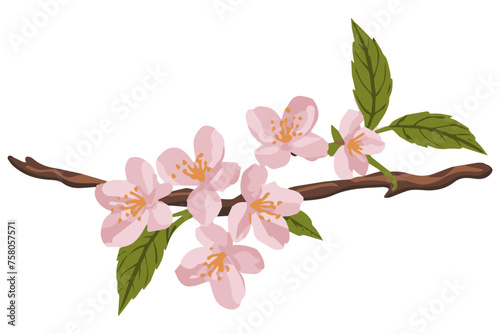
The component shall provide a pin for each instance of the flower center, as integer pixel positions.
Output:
(287, 131)
(133, 205)
(197, 170)
(262, 206)
(216, 263)
(353, 145)
(284, 133)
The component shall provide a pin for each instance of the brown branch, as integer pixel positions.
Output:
(309, 191)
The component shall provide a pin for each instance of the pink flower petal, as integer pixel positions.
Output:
(212, 234)
(160, 217)
(371, 142)
(171, 166)
(191, 265)
(341, 164)
(107, 193)
(230, 290)
(162, 190)
(189, 277)
(359, 163)
(272, 156)
(239, 223)
(210, 144)
(274, 233)
(248, 260)
(228, 174)
(122, 234)
(287, 201)
(252, 181)
(195, 257)
(350, 123)
(204, 204)
(260, 121)
(305, 111)
(310, 147)
(141, 173)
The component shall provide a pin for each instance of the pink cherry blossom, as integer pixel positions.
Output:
(207, 173)
(221, 263)
(133, 204)
(264, 208)
(358, 142)
(289, 134)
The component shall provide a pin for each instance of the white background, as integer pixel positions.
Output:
(394, 255)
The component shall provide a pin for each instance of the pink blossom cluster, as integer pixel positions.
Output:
(135, 203)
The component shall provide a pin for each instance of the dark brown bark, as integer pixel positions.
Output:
(309, 191)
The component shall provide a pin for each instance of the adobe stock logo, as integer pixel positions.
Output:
(31, 26)
(487, 88)
(425, 316)
(122, 107)
(222, 7)
(381, 19)
(89, 310)
(292, 279)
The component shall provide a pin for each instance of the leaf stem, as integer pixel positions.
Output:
(182, 214)
(384, 171)
(384, 129)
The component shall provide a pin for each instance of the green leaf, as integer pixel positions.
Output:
(371, 76)
(301, 224)
(384, 171)
(333, 148)
(337, 139)
(138, 261)
(336, 134)
(435, 130)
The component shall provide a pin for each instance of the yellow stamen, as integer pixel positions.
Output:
(217, 263)
(197, 170)
(262, 206)
(134, 206)
(284, 133)
(353, 145)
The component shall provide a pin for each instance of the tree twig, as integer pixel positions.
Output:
(308, 191)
